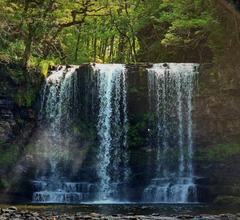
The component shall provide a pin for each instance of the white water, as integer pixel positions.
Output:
(170, 99)
(57, 115)
(112, 165)
(63, 192)
(170, 134)
(58, 103)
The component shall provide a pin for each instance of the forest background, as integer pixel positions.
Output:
(35, 34)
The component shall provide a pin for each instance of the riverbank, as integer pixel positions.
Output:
(116, 212)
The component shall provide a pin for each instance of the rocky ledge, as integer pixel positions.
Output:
(13, 213)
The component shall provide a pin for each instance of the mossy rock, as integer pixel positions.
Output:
(12, 199)
(234, 191)
(227, 200)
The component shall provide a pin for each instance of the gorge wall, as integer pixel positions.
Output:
(17, 124)
(216, 121)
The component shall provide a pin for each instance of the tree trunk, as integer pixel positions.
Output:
(134, 48)
(111, 48)
(28, 45)
(104, 49)
(95, 48)
(76, 51)
(121, 49)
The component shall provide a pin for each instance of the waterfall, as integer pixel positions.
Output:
(89, 117)
(58, 108)
(112, 126)
(170, 91)
(61, 96)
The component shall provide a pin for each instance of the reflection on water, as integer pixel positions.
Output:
(145, 209)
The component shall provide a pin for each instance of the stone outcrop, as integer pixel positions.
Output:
(217, 129)
(17, 124)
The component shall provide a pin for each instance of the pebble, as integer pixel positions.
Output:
(93, 214)
(13, 213)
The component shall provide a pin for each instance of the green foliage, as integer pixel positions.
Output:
(218, 153)
(8, 154)
(4, 184)
(190, 22)
(27, 80)
(75, 130)
(137, 131)
(20, 120)
(27, 95)
(226, 200)
(42, 65)
(107, 31)
(10, 49)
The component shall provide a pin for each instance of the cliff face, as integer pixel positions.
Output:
(17, 124)
(217, 127)
(216, 117)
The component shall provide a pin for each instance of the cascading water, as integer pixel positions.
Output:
(112, 126)
(58, 107)
(89, 116)
(60, 103)
(170, 88)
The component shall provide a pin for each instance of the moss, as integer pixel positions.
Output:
(233, 190)
(225, 200)
(4, 184)
(142, 71)
(138, 129)
(219, 152)
(25, 83)
(8, 154)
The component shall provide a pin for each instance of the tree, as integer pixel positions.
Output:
(39, 22)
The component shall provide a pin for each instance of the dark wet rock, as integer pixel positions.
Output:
(185, 216)
(7, 211)
(13, 208)
(155, 214)
(133, 218)
(32, 218)
(78, 218)
(47, 214)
